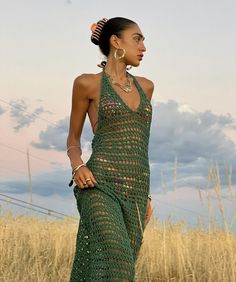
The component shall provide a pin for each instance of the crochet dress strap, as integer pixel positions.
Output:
(112, 213)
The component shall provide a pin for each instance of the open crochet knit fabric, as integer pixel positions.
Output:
(112, 213)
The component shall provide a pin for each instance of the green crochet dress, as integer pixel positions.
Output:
(112, 213)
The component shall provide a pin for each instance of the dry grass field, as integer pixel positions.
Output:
(34, 249)
(38, 250)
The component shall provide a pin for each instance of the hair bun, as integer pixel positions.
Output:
(96, 29)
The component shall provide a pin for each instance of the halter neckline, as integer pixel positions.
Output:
(119, 97)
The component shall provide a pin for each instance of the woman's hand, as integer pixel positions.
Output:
(84, 178)
(148, 212)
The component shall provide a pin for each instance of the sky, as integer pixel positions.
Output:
(190, 57)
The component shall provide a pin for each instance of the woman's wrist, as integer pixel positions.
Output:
(74, 153)
(73, 148)
(74, 171)
(76, 168)
(149, 197)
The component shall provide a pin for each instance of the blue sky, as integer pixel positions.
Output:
(190, 57)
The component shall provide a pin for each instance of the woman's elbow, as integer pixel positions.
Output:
(72, 137)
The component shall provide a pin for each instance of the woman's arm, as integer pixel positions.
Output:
(79, 108)
(80, 104)
(148, 88)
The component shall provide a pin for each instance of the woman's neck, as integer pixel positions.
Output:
(116, 69)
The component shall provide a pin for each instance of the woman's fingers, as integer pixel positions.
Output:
(80, 183)
(93, 180)
(84, 178)
(89, 179)
(148, 211)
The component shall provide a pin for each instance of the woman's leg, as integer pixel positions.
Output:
(103, 249)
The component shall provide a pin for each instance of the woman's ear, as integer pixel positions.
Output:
(115, 41)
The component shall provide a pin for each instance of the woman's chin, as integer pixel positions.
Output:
(135, 64)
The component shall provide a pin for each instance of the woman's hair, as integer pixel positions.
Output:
(104, 29)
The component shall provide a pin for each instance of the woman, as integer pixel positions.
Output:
(112, 187)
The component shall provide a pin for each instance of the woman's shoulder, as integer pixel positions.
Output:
(146, 84)
(86, 79)
(86, 84)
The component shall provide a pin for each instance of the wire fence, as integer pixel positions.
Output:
(33, 207)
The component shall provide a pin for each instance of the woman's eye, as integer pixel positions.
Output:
(137, 39)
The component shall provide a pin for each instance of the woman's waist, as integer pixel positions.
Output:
(119, 160)
(127, 150)
(135, 175)
(119, 142)
(119, 166)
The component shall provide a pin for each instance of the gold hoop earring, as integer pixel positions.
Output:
(119, 57)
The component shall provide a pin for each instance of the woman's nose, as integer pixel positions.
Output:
(143, 48)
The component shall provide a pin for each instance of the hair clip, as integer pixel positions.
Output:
(96, 29)
(93, 27)
(99, 25)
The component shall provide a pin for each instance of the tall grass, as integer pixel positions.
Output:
(173, 253)
(34, 249)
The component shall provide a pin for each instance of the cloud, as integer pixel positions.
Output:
(194, 139)
(189, 135)
(23, 115)
(55, 137)
(176, 132)
(44, 184)
(2, 111)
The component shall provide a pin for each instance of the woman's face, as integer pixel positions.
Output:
(132, 41)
